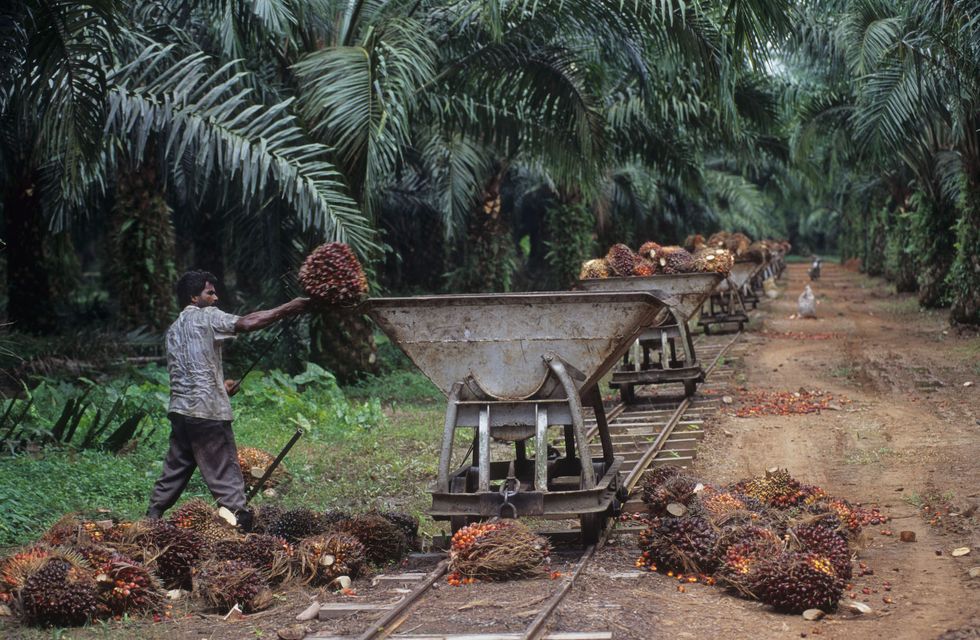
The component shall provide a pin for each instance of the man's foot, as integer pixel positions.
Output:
(153, 514)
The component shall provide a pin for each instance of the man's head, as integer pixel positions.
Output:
(197, 288)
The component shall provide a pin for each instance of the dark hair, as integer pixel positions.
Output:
(192, 284)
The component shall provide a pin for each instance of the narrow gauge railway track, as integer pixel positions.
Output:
(653, 431)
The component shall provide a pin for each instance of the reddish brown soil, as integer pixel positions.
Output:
(908, 439)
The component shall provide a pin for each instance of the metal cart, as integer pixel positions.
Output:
(664, 352)
(513, 366)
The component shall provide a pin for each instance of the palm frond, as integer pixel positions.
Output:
(206, 113)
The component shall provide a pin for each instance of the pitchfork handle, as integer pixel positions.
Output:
(272, 467)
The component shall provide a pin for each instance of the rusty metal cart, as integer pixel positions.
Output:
(512, 366)
(664, 352)
(725, 305)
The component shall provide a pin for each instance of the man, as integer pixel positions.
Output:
(200, 409)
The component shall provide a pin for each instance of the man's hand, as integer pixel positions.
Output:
(232, 387)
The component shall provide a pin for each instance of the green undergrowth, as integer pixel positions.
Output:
(371, 446)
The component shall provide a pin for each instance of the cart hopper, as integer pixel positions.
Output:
(683, 292)
(496, 344)
(741, 273)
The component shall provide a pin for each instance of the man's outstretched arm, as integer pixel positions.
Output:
(262, 319)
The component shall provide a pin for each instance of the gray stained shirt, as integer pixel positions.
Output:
(197, 381)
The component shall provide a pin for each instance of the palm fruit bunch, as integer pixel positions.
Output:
(621, 260)
(758, 252)
(496, 550)
(718, 239)
(680, 544)
(738, 244)
(254, 462)
(60, 593)
(673, 259)
(197, 515)
(777, 489)
(270, 555)
(332, 275)
(713, 261)
(17, 567)
(661, 489)
(694, 242)
(594, 270)
(720, 505)
(743, 550)
(644, 268)
(125, 586)
(382, 539)
(176, 553)
(324, 558)
(795, 582)
(823, 540)
(649, 250)
(409, 525)
(265, 517)
(296, 524)
(222, 584)
(95, 555)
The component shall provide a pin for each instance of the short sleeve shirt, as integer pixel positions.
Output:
(197, 381)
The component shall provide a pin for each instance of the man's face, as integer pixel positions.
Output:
(207, 298)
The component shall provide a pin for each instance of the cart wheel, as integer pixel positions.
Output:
(690, 386)
(707, 330)
(591, 525)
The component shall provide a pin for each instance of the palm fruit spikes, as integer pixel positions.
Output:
(496, 550)
(254, 463)
(322, 559)
(672, 260)
(820, 539)
(272, 556)
(332, 275)
(222, 584)
(644, 268)
(713, 261)
(795, 582)
(59, 594)
(681, 544)
(296, 524)
(649, 250)
(594, 269)
(383, 540)
(621, 260)
(125, 586)
(197, 515)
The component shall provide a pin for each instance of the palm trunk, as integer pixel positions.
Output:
(489, 255)
(965, 274)
(29, 298)
(141, 257)
(342, 342)
(935, 237)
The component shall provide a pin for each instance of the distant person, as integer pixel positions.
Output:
(200, 409)
(806, 304)
(815, 268)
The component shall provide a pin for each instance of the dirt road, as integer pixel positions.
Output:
(908, 441)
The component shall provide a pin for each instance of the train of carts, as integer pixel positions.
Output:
(516, 366)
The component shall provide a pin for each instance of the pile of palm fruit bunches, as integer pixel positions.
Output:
(770, 538)
(717, 254)
(83, 570)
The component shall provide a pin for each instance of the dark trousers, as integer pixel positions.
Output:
(208, 445)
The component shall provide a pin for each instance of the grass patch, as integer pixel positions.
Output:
(843, 371)
(868, 456)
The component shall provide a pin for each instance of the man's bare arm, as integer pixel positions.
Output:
(262, 319)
